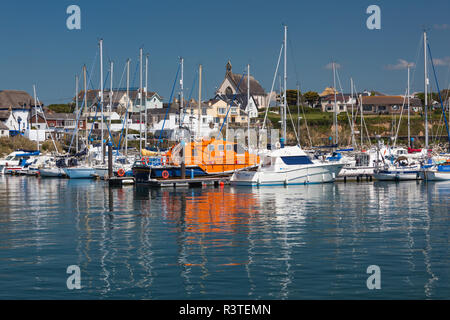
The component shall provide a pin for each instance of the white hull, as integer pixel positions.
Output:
(356, 171)
(397, 176)
(305, 174)
(433, 175)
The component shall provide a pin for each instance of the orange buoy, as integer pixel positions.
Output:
(121, 172)
(165, 174)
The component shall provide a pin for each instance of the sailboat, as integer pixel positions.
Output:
(290, 164)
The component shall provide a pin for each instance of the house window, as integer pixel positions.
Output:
(220, 147)
(367, 108)
(211, 147)
(228, 91)
(229, 147)
(204, 111)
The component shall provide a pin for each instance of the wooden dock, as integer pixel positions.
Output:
(195, 182)
(120, 181)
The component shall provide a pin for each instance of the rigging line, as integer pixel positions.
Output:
(293, 125)
(304, 116)
(232, 101)
(81, 110)
(417, 59)
(343, 100)
(46, 123)
(168, 107)
(271, 89)
(400, 119)
(293, 59)
(306, 124)
(124, 118)
(439, 92)
(363, 121)
(190, 96)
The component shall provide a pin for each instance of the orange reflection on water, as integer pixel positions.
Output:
(219, 211)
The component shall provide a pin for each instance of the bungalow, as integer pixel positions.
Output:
(344, 102)
(388, 104)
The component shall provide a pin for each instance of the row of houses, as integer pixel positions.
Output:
(372, 102)
(18, 112)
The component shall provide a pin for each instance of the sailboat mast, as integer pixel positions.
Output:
(140, 107)
(298, 114)
(76, 113)
(101, 98)
(285, 85)
(409, 112)
(127, 110)
(145, 92)
(248, 105)
(181, 90)
(111, 94)
(362, 113)
(335, 106)
(85, 104)
(199, 98)
(353, 120)
(426, 88)
(36, 111)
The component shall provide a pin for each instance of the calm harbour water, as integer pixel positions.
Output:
(302, 242)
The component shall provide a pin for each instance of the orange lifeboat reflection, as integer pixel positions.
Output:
(219, 211)
(215, 210)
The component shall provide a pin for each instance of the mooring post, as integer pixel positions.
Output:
(183, 165)
(110, 164)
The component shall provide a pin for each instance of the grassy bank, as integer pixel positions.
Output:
(320, 125)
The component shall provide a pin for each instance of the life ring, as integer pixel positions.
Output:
(121, 172)
(143, 160)
(165, 174)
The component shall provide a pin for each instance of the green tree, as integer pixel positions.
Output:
(311, 97)
(62, 108)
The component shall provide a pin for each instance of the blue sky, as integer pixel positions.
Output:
(38, 48)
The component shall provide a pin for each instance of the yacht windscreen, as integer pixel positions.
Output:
(293, 160)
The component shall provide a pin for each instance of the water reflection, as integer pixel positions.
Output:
(284, 242)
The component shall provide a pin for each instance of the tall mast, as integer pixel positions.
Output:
(101, 97)
(111, 94)
(35, 110)
(409, 111)
(285, 85)
(76, 113)
(128, 104)
(85, 104)
(145, 92)
(181, 89)
(336, 137)
(199, 98)
(362, 113)
(298, 113)
(248, 106)
(353, 120)
(140, 107)
(426, 87)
